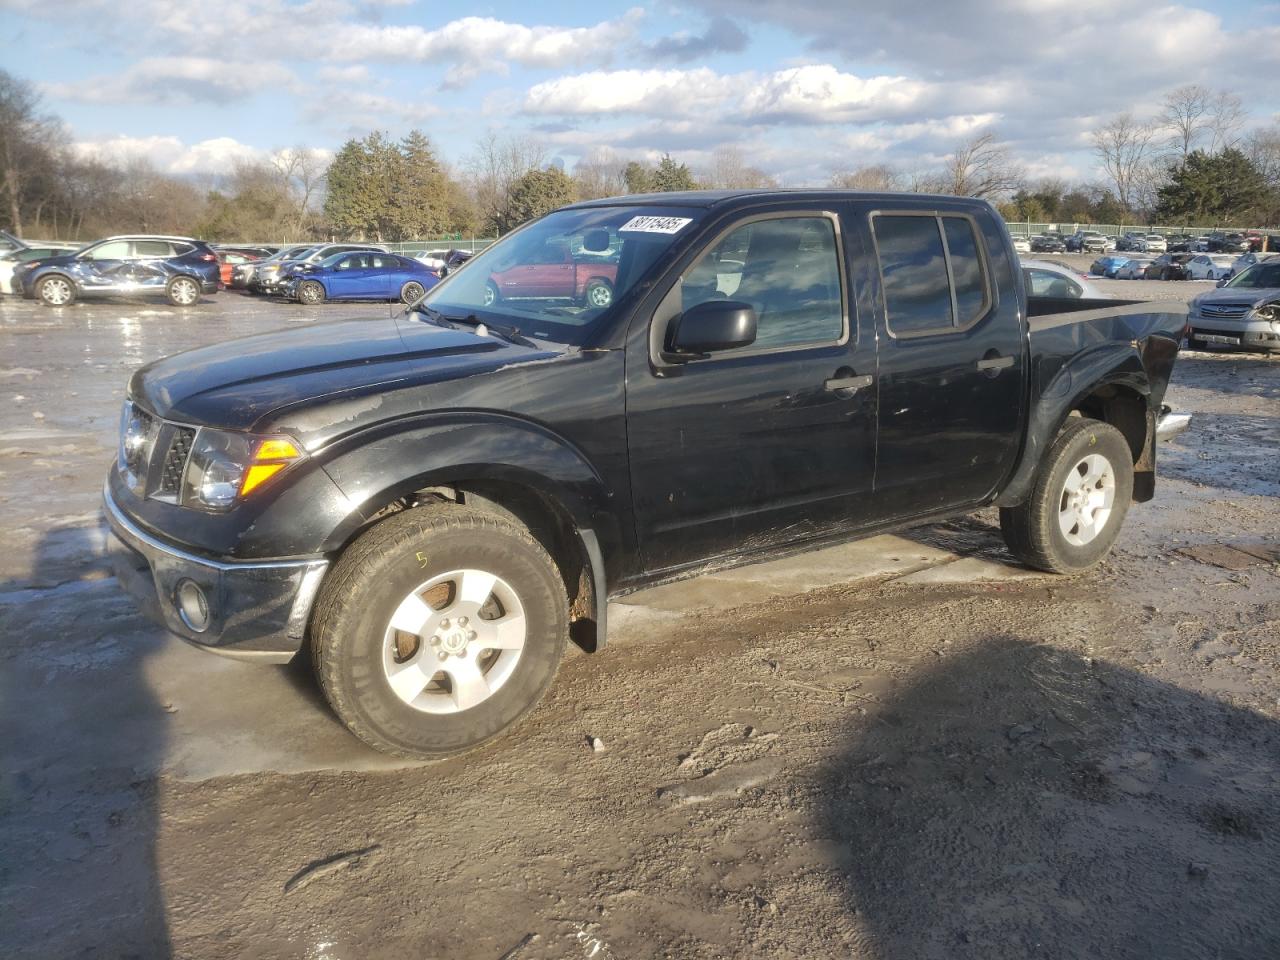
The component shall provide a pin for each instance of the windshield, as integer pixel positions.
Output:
(1260, 276)
(559, 277)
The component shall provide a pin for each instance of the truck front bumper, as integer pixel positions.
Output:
(247, 610)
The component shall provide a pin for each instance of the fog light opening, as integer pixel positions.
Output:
(193, 605)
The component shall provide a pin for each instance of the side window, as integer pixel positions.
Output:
(152, 248)
(933, 273)
(966, 270)
(113, 250)
(181, 249)
(787, 269)
(1043, 283)
(381, 261)
(917, 295)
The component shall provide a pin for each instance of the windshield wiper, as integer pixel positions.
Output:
(509, 334)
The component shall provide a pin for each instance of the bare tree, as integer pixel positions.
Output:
(1186, 115)
(1123, 147)
(879, 177)
(730, 171)
(1226, 120)
(302, 172)
(982, 168)
(1262, 147)
(28, 143)
(600, 174)
(493, 168)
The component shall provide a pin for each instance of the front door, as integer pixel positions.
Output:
(764, 445)
(952, 359)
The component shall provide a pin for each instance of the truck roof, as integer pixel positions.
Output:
(717, 198)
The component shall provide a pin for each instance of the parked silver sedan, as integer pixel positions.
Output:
(1044, 278)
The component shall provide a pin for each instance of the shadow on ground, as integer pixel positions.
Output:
(1022, 801)
(77, 826)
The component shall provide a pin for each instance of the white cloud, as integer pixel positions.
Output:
(653, 92)
(179, 80)
(170, 154)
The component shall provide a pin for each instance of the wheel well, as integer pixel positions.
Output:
(1124, 409)
(1127, 411)
(546, 519)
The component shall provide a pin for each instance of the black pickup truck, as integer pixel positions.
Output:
(437, 502)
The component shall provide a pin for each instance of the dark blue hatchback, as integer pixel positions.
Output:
(178, 268)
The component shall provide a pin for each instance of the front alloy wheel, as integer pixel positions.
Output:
(311, 292)
(56, 291)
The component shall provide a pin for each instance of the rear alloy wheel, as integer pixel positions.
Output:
(56, 291)
(439, 629)
(598, 294)
(491, 295)
(311, 292)
(1078, 503)
(411, 291)
(182, 291)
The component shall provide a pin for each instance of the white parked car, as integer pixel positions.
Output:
(1211, 266)
(434, 259)
(1021, 245)
(1134, 269)
(1044, 278)
(1155, 243)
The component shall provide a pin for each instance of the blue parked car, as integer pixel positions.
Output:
(179, 268)
(364, 275)
(1107, 266)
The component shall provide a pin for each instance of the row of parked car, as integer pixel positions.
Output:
(1176, 266)
(1092, 241)
(183, 269)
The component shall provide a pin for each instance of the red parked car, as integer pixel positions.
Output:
(554, 273)
(231, 257)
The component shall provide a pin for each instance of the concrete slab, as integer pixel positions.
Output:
(845, 563)
(972, 570)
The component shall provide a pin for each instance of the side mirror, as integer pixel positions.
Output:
(710, 327)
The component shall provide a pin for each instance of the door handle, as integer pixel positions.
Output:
(850, 384)
(995, 363)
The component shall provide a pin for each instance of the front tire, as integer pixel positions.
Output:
(1078, 502)
(182, 292)
(311, 292)
(56, 291)
(439, 629)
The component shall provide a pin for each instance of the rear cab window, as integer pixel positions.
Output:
(934, 274)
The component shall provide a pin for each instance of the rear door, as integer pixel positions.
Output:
(952, 358)
(765, 445)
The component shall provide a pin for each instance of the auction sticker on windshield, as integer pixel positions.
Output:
(654, 225)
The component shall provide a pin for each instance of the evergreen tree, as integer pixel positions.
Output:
(638, 178)
(1209, 188)
(537, 193)
(672, 176)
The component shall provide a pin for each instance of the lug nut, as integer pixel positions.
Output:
(462, 621)
(471, 634)
(444, 624)
(442, 655)
(435, 641)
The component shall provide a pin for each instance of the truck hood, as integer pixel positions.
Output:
(240, 384)
(1219, 295)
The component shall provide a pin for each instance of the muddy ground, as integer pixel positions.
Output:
(959, 759)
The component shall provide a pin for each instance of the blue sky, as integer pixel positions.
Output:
(800, 88)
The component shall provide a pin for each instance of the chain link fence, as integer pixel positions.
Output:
(1120, 229)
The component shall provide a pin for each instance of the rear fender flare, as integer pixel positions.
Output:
(1109, 364)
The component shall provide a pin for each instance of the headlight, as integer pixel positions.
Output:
(226, 467)
(138, 431)
(1268, 311)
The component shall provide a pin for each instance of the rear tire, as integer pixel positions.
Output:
(411, 291)
(56, 290)
(432, 686)
(598, 294)
(1077, 505)
(182, 292)
(491, 294)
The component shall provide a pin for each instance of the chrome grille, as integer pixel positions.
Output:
(1225, 311)
(175, 460)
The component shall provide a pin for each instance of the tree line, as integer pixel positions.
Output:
(1193, 164)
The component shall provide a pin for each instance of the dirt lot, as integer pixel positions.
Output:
(905, 749)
